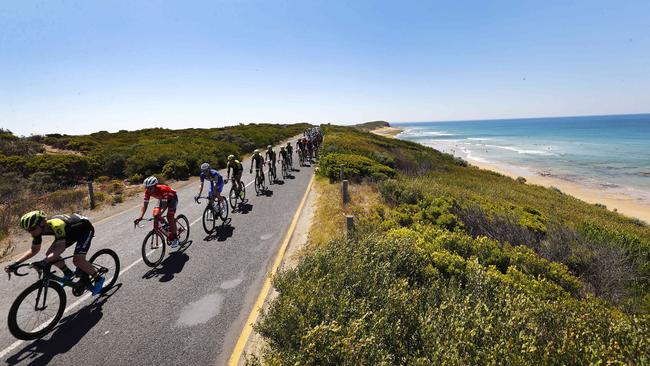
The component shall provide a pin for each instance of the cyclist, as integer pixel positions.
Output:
(258, 160)
(215, 178)
(67, 230)
(284, 157)
(310, 149)
(270, 156)
(301, 151)
(167, 200)
(290, 153)
(237, 169)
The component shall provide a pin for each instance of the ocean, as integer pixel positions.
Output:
(605, 152)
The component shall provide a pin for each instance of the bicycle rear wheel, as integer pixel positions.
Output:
(107, 263)
(153, 248)
(182, 228)
(209, 219)
(36, 310)
(258, 185)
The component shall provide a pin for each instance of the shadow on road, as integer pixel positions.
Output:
(65, 335)
(170, 266)
(267, 192)
(295, 169)
(244, 208)
(221, 233)
(279, 182)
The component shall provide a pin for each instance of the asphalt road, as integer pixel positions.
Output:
(189, 310)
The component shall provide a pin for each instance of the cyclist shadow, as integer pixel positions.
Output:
(170, 266)
(221, 233)
(267, 192)
(295, 169)
(244, 207)
(65, 335)
(278, 182)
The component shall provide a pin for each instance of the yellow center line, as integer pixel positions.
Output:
(252, 317)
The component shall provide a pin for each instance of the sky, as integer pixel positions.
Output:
(82, 66)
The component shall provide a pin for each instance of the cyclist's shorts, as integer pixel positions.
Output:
(83, 241)
(237, 175)
(219, 186)
(172, 203)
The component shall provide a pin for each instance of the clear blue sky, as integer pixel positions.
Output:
(82, 66)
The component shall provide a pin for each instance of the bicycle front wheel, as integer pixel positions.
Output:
(270, 173)
(209, 219)
(223, 210)
(36, 310)
(153, 248)
(182, 228)
(107, 263)
(233, 197)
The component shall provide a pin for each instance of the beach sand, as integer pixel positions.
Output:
(623, 203)
(387, 131)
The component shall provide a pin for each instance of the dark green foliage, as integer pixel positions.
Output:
(355, 167)
(69, 169)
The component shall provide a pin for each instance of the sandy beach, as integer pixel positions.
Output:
(623, 203)
(387, 131)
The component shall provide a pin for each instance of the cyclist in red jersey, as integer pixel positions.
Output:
(167, 200)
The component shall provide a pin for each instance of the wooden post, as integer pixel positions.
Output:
(344, 191)
(349, 225)
(341, 172)
(91, 194)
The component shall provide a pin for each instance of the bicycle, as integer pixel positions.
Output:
(236, 193)
(285, 170)
(301, 157)
(41, 304)
(271, 172)
(259, 181)
(290, 155)
(211, 212)
(154, 243)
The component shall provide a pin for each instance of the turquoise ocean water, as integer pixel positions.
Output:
(605, 152)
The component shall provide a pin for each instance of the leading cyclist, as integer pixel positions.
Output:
(67, 230)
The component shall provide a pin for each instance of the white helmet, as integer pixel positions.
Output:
(205, 167)
(150, 182)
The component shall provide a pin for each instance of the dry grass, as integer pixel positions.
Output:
(329, 216)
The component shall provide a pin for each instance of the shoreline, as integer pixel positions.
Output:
(624, 204)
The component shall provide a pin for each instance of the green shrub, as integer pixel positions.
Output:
(385, 301)
(355, 167)
(136, 178)
(176, 169)
(521, 180)
(43, 182)
(396, 192)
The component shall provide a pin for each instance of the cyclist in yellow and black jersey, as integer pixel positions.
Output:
(237, 169)
(67, 230)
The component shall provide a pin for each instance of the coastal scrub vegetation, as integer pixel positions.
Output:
(456, 265)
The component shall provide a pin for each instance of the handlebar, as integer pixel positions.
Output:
(197, 199)
(17, 273)
(136, 223)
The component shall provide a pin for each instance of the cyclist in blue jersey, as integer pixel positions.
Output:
(216, 183)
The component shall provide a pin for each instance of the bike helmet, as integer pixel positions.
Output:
(288, 143)
(205, 167)
(231, 157)
(150, 182)
(269, 147)
(256, 152)
(30, 219)
(282, 148)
